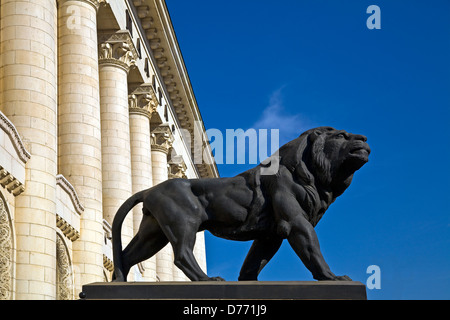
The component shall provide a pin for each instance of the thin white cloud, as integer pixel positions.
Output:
(275, 116)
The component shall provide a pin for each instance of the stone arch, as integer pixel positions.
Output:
(6, 251)
(64, 274)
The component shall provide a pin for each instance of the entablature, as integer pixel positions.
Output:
(159, 62)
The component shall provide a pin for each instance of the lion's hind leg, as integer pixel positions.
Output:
(149, 240)
(180, 214)
(181, 230)
(182, 238)
(185, 260)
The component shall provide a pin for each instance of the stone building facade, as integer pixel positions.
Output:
(96, 104)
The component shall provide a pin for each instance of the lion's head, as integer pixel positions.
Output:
(336, 154)
(326, 156)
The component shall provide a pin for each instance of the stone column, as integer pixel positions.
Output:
(79, 139)
(142, 104)
(162, 140)
(177, 170)
(116, 56)
(28, 60)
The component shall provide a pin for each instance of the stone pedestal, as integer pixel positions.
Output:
(251, 290)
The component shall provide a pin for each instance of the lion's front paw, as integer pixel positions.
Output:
(216, 279)
(332, 277)
(343, 278)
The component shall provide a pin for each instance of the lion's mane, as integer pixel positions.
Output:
(305, 158)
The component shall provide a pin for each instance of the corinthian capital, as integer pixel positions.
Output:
(162, 138)
(117, 49)
(95, 3)
(177, 168)
(143, 100)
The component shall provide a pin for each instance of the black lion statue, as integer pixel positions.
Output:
(313, 170)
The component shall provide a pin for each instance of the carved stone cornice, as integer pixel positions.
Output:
(107, 253)
(108, 263)
(177, 168)
(69, 231)
(162, 138)
(166, 56)
(8, 181)
(11, 130)
(143, 100)
(67, 187)
(107, 230)
(117, 49)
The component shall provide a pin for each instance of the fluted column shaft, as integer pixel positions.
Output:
(115, 60)
(161, 143)
(142, 103)
(79, 141)
(177, 170)
(28, 60)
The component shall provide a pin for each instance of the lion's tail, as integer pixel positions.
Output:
(117, 233)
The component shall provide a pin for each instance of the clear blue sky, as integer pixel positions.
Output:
(295, 65)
